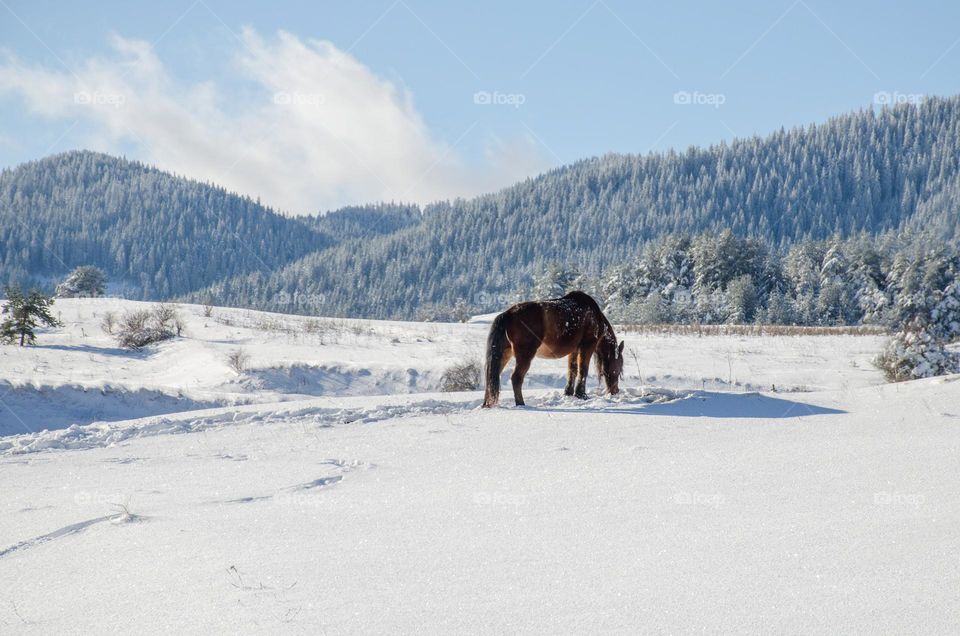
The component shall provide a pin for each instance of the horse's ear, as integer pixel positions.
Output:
(620, 348)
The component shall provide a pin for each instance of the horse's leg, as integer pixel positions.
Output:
(571, 373)
(524, 358)
(583, 368)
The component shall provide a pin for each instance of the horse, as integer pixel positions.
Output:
(572, 326)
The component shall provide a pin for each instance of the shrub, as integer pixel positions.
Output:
(463, 376)
(238, 360)
(141, 327)
(108, 322)
(915, 353)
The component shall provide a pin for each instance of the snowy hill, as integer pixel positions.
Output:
(863, 172)
(329, 489)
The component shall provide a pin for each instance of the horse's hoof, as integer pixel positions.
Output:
(582, 396)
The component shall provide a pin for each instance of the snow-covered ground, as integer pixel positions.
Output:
(738, 484)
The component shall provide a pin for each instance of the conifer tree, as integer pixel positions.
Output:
(24, 313)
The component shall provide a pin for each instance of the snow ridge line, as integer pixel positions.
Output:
(101, 434)
(56, 534)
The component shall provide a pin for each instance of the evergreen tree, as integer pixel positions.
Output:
(24, 314)
(741, 300)
(557, 280)
(916, 352)
(85, 281)
(945, 315)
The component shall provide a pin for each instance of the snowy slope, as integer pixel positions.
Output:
(78, 375)
(688, 504)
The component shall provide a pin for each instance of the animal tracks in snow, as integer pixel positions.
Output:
(293, 494)
(73, 528)
(319, 414)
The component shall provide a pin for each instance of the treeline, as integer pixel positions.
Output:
(714, 279)
(867, 172)
(154, 234)
(158, 236)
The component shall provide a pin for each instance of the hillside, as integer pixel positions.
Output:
(162, 236)
(156, 235)
(866, 172)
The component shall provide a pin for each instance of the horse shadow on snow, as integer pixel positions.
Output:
(699, 404)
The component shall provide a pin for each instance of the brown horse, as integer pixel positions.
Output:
(570, 326)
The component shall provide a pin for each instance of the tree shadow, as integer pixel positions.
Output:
(103, 351)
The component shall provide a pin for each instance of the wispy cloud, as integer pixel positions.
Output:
(319, 131)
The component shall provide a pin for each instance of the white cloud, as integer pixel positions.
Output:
(321, 131)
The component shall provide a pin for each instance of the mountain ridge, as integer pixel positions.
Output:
(868, 171)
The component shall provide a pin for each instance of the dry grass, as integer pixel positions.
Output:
(756, 330)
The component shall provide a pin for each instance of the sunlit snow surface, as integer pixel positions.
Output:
(331, 489)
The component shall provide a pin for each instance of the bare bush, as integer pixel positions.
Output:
(135, 320)
(108, 322)
(238, 360)
(165, 316)
(207, 311)
(141, 327)
(463, 376)
(755, 329)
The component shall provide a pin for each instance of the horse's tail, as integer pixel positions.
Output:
(495, 344)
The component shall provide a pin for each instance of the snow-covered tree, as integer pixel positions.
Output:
(945, 315)
(85, 281)
(836, 301)
(779, 310)
(916, 352)
(556, 280)
(741, 299)
(802, 270)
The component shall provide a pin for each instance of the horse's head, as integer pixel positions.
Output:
(611, 366)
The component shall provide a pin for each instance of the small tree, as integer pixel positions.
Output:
(915, 352)
(108, 322)
(25, 314)
(86, 281)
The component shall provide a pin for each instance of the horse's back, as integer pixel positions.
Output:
(553, 328)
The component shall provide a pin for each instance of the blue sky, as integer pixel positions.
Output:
(312, 105)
